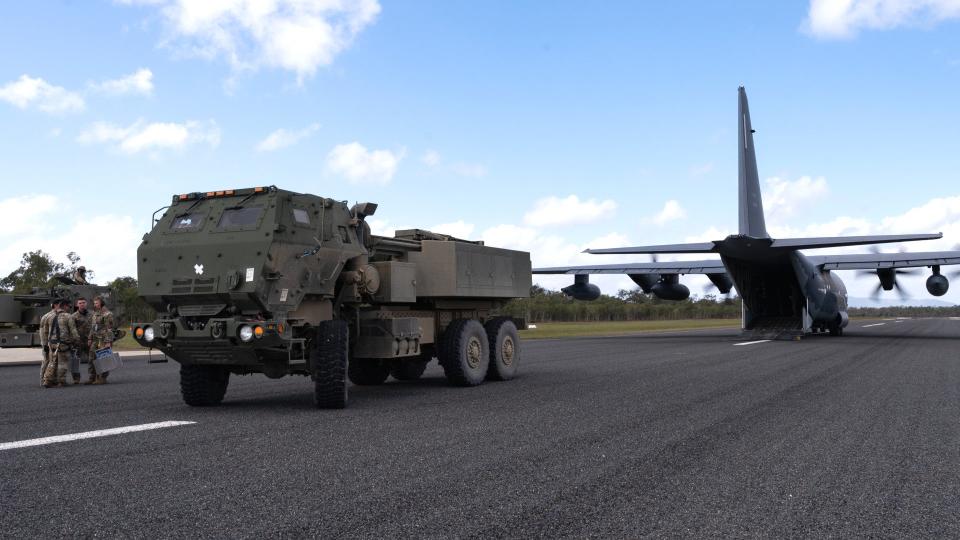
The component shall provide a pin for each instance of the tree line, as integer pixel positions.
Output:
(628, 305)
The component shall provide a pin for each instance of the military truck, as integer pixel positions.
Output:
(20, 313)
(264, 280)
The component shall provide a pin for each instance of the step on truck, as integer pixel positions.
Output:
(264, 280)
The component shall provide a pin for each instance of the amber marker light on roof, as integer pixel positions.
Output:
(258, 190)
(184, 197)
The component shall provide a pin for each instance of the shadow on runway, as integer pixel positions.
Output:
(300, 397)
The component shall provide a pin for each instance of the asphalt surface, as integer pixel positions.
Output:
(660, 435)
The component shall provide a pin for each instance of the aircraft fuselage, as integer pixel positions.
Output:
(781, 287)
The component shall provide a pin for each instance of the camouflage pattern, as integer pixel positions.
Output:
(44, 336)
(84, 323)
(101, 329)
(60, 347)
(101, 336)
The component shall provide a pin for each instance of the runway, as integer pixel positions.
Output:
(685, 434)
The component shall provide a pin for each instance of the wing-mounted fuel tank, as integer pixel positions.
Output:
(582, 289)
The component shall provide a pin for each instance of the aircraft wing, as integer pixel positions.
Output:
(872, 261)
(711, 266)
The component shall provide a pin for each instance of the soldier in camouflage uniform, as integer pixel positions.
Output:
(62, 337)
(82, 319)
(44, 337)
(101, 336)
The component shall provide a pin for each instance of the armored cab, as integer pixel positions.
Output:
(264, 280)
(20, 313)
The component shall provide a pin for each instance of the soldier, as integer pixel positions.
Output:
(80, 275)
(44, 337)
(82, 320)
(62, 337)
(101, 337)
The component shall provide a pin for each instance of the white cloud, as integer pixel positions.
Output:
(568, 211)
(57, 227)
(294, 35)
(700, 170)
(283, 138)
(782, 198)
(138, 82)
(457, 229)
(844, 18)
(141, 136)
(431, 158)
(29, 92)
(361, 166)
(671, 211)
(470, 170)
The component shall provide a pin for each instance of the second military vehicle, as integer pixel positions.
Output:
(20, 313)
(265, 280)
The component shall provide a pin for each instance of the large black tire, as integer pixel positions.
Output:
(203, 386)
(410, 369)
(836, 330)
(329, 359)
(368, 372)
(504, 349)
(465, 354)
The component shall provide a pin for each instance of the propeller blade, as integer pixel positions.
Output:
(903, 293)
(876, 292)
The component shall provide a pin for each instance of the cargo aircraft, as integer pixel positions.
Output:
(784, 292)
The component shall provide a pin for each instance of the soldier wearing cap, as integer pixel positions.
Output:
(44, 337)
(101, 337)
(82, 318)
(62, 337)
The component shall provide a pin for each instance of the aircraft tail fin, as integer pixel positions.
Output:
(750, 201)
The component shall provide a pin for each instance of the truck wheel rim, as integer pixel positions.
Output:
(507, 350)
(474, 352)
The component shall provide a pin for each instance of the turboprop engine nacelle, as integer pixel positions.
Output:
(582, 289)
(670, 288)
(645, 281)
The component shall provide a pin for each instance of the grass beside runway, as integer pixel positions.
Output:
(613, 328)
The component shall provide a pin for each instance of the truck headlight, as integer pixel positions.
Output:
(246, 333)
(148, 334)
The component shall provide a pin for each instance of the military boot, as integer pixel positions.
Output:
(100, 380)
(91, 380)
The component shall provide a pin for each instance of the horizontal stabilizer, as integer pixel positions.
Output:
(837, 241)
(712, 266)
(870, 261)
(702, 247)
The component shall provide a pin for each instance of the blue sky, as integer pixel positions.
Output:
(542, 126)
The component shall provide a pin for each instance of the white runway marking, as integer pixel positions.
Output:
(91, 434)
(877, 324)
(751, 342)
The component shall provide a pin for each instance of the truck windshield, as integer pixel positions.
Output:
(188, 222)
(239, 217)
